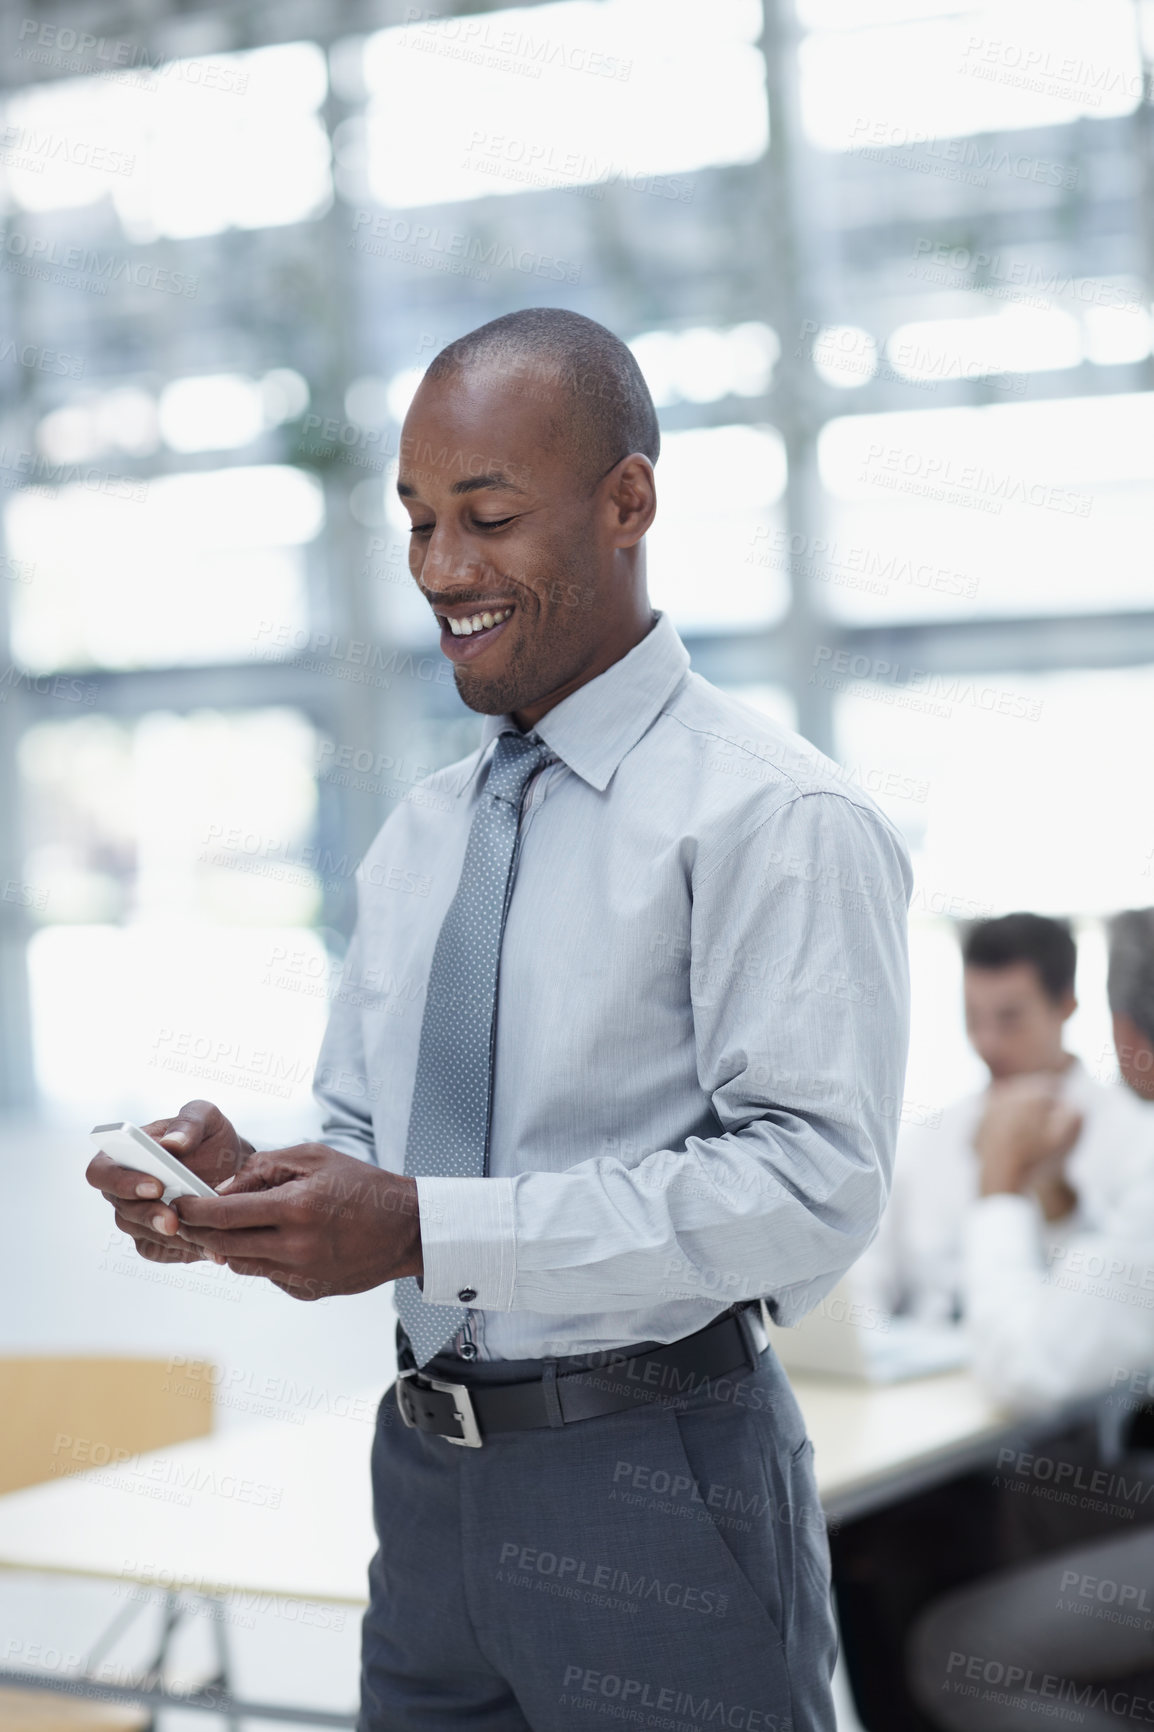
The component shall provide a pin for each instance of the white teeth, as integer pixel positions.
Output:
(479, 622)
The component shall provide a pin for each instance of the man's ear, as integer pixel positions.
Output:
(633, 499)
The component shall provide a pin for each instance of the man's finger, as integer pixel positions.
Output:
(154, 1252)
(120, 1182)
(259, 1266)
(256, 1243)
(194, 1124)
(265, 1208)
(158, 1218)
(267, 1170)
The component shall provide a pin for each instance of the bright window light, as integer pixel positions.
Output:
(995, 772)
(855, 14)
(1114, 335)
(188, 147)
(845, 356)
(979, 68)
(185, 569)
(703, 363)
(1015, 340)
(100, 422)
(401, 390)
(717, 493)
(109, 1024)
(500, 101)
(1016, 508)
(367, 402)
(215, 412)
(284, 395)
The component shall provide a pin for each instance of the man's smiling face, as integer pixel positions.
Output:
(505, 526)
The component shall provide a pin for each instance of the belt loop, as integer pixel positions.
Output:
(549, 1390)
(747, 1335)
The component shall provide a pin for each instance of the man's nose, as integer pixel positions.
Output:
(447, 560)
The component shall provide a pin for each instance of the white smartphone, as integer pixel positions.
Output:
(129, 1146)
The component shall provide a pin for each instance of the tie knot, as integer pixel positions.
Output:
(515, 758)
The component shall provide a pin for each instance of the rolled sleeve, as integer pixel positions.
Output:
(468, 1242)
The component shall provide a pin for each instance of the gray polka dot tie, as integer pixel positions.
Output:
(449, 1122)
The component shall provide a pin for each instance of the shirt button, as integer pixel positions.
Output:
(468, 1350)
(467, 1295)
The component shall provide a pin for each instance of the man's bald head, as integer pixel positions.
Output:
(604, 411)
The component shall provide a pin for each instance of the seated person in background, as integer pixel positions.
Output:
(1043, 1159)
(1072, 1632)
(1018, 982)
(1052, 1312)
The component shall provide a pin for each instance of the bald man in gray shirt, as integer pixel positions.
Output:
(624, 1082)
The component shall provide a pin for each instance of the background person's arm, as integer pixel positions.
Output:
(1049, 1325)
(800, 1001)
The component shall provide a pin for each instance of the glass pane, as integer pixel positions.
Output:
(180, 147)
(1007, 509)
(718, 490)
(204, 817)
(131, 1022)
(1010, 64)
(670, 97)
(188, 568)
(1028, 792)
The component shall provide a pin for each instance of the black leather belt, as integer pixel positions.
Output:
(466, 1414)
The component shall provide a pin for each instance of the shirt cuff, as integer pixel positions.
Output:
(467, 1242)
(1001, 1232)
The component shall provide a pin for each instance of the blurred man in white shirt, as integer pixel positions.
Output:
(1073, 1631)
(998, 1215)
(1018, 982)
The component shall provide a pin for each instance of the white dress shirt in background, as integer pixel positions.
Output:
(915, 1265)
(1066, 1314)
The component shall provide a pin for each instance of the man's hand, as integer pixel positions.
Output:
(206, 1142)
(312, 1220)
(1025, 1134)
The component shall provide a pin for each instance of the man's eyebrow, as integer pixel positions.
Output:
(470, 484)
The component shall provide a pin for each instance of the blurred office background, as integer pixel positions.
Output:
(887, 266)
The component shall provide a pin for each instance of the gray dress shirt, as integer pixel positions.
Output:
(701, 1026)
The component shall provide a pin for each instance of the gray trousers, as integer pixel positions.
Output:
(666, 1566)
(1068, 1640)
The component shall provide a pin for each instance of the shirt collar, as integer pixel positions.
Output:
(592, 729)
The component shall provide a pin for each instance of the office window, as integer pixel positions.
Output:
(711, 560)
(700, 99)
(187, 568)
(981, 69)
(1015, 790)
(1015, 508)
(179, 147)
(173, 872)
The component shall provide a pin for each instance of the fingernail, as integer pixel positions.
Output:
(224, 1184)
(160, 1225)
(174, 1137)
(149, 1189)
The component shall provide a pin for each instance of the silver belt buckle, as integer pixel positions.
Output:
(462, 1410)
